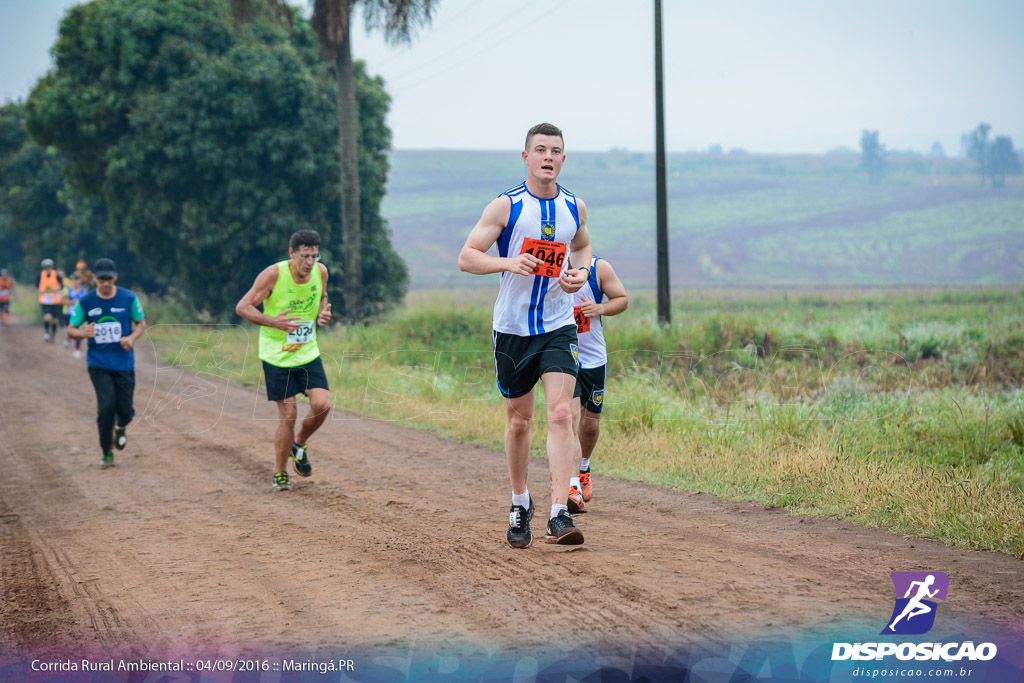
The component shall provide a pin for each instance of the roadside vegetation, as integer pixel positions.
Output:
(902, 410)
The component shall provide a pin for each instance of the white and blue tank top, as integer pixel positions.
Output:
(535, 304)
(592, 348)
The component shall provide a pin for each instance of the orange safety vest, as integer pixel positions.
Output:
(6, 285)
(49, 288)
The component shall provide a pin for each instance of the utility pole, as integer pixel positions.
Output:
(664, 291)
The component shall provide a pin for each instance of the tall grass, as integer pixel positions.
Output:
(897, 410)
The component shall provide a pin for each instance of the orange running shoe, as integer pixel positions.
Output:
(575, 503)
(585, 486)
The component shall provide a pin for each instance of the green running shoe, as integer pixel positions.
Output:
(281, 482)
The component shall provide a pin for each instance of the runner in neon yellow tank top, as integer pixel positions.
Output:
(294, 298)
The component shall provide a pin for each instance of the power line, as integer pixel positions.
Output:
(508, 36)
(433, 32)
(462, 45)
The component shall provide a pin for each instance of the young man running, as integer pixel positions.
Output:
(6, 285)
(104, 316)
(541, 231)
(49, 285)
(603, 295)
(294, 298)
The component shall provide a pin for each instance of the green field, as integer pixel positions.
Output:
(735, 220)
(897, 409)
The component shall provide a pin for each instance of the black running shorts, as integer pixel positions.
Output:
(590, 388)
(520, 361)
(55, 310)
(284, 383)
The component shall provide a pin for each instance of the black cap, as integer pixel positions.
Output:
(104, 267)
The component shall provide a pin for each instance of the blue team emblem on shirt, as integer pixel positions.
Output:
(597, 398)
(575, 353)
(547, 230)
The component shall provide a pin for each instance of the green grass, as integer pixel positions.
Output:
(901, 410)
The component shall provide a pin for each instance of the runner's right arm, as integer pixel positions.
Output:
(614, 290)
(260, 290)
(75, 328)
(474, 257)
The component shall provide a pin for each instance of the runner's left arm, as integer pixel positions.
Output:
(139, 318)
(324, 316)
(580, 252)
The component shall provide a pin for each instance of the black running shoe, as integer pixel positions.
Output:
(301, 461)
(120, 438)
(561, 530)
(519, 534)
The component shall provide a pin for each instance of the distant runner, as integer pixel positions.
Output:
(6, 287)
(104, 316)
(71, 293)
(83, 272)
(294, 298)
(49, 285)
(541, 231)
(603, 295)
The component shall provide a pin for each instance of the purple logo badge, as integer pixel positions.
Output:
(914, 612)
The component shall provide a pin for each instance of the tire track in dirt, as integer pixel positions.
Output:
(398, 537)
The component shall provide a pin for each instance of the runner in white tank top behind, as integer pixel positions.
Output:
(540, 230)
(603, 295)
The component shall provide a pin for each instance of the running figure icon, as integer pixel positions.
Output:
(916, 607)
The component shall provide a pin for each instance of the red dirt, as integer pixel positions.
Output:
(397, 536)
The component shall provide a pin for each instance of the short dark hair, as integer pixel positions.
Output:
(304, 238)
(543, 129)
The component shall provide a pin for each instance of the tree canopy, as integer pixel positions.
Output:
(996, 159)
(42, 217)
(209, 141)
(872, 155)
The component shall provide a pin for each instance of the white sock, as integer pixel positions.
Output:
(575, 483)
(521, 499)
(584, 464)
(555, 509)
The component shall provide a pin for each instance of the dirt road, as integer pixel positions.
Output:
(397, 537)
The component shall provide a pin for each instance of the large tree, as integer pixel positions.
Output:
(210, 141)
(332, 22)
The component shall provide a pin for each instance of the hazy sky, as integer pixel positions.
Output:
(770, 76)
